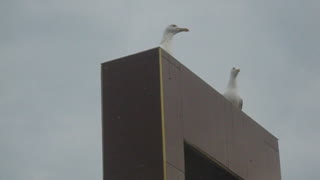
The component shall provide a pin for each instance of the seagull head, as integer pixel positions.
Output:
(235, 71)
(168, 34)
(174, 29)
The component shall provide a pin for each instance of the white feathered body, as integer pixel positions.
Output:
(166, 45)
(233, 96)
(231, 92)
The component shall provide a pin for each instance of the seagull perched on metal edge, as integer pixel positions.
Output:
(231, 92)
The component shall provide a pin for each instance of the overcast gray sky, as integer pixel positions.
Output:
(50, 55)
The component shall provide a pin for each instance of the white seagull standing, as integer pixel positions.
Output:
(231, 92)
(168, 34)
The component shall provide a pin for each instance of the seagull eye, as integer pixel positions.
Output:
(173, 25)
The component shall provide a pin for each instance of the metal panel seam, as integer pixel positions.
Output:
(162, 118)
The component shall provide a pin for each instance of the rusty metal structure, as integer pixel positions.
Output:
(160, 121)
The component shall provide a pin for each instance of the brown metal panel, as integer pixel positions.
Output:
(202, 116)
(172, 111)
(255, 151)
(173, 173)
(271, 157)
(133, 132)
(131, 118)
(223, 131)
(238, 144)
(228, 120)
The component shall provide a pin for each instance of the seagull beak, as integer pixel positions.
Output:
(183, 29)
(238, 70)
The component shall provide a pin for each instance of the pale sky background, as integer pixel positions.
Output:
(50, 55)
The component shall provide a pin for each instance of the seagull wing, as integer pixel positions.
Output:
(240, 104)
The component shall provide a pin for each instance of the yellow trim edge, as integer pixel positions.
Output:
(162, 118)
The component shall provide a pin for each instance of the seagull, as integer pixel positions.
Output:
(231, 92)
(168, 34)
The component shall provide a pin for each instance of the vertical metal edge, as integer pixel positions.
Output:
(102, 115)
(162, 118)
